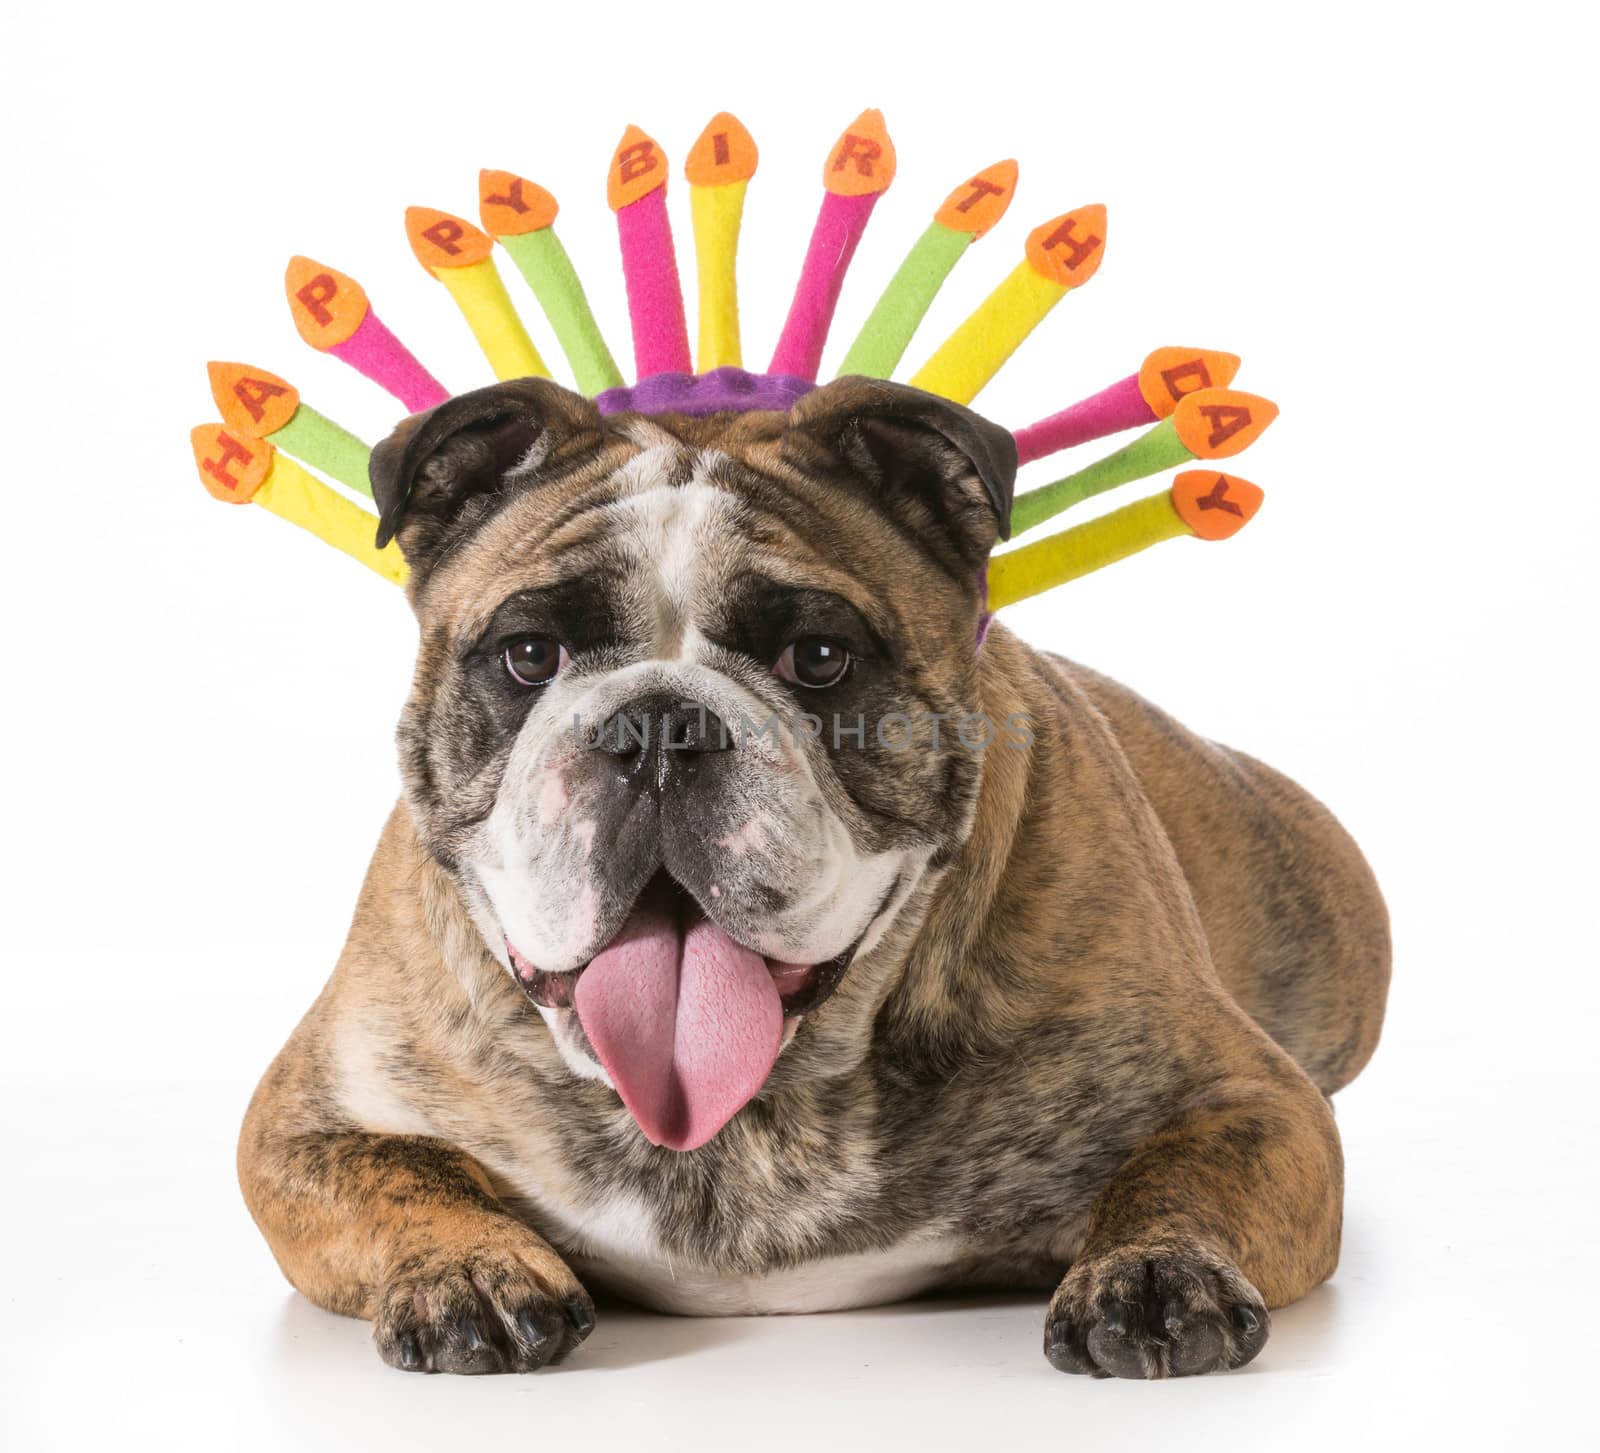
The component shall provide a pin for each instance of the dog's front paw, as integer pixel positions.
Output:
(489, 1309)
(1170, 1309)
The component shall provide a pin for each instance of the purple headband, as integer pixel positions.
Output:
(721, 391)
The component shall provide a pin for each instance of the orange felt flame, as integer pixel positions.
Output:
(1067, 250)
(1214, 505)
(1214, 423)
(328, 306)
(254, 403)
(981, 201)
(725, 152)
(231, 467)
(862, 160)
(1170, 373)
(441, 239)
(509, 205)
(638, 167)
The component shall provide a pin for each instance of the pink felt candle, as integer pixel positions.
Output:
(374, 351)
(857, 172)
(834, 239)
(1122, 406)
(655, 296)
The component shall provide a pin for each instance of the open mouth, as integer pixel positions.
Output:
(801, 987)
(687, 1021)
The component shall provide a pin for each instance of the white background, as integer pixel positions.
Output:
(1387, 209)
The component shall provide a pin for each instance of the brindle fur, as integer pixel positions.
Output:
(1091, 1054)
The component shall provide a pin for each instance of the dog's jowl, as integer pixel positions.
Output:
(759, 932)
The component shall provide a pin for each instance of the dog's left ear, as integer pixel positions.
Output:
(435, 472)
(950, 468)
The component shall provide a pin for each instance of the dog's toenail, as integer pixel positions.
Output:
(1060, 1356)
(581, 1315)
(536, 1335)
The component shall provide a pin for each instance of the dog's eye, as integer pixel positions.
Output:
(534, 660)
(813, 661)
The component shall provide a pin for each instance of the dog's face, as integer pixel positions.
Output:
(690, 720)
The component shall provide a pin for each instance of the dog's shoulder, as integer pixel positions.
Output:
(417, 1026)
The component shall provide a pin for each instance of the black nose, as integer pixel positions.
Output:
(659, 738)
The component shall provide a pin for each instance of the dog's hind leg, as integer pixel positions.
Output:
(405, 1231)
(1296, 925)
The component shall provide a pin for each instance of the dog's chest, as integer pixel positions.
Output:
(618, 1247)
(637, 1241)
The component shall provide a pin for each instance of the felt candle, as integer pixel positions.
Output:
(260, 405)
(636, 189)
(461, 257)
(332, 313)
(1145, 397)
(719, 167)
(241, 470)
(1062, 254)
(1213, 423)
(857, 172)
(1201, 503)
(966, 214)
(520, 215)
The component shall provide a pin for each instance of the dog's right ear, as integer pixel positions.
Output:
(441, 470)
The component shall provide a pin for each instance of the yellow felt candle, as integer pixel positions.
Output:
(1201, 502)
(241, 470)
(294, 494)
(719, 168)
(484, 303)
(1062, 254)
(461, 257)
(717, 213)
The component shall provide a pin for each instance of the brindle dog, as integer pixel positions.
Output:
(811, 1018)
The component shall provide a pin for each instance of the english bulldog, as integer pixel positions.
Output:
(762, 929)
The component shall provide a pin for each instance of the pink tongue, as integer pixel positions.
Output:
(687, 1024)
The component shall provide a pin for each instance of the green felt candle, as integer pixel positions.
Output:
(885, 335)
(315, 439)
(543, 261)
(1156, 449)
(964, 216)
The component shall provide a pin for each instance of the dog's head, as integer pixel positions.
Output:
(695, 711)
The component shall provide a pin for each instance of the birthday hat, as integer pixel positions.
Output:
(1181, 398)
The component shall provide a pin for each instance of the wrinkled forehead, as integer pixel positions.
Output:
(670, 528)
